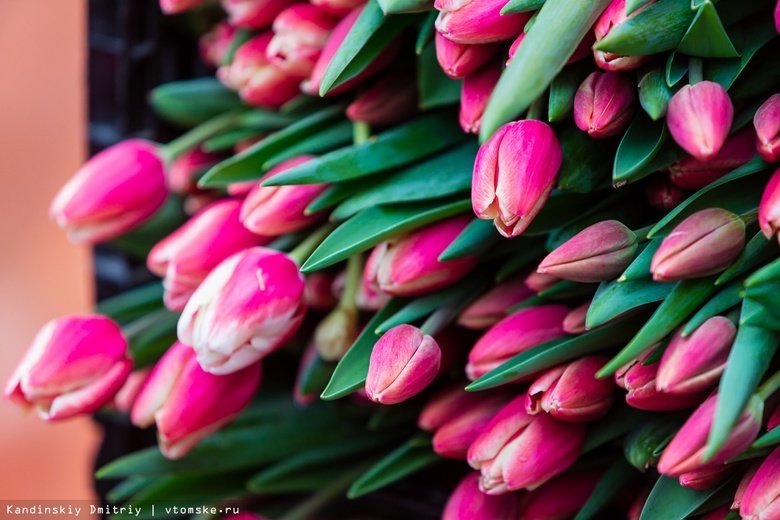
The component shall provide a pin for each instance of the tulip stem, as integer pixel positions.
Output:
(769, 387)
(749, 217)
(303, 250)
(352, 282)
(200, 133)
(695, 71)
(641, 233)
(360, 132)
(536, 110)
(327, 494)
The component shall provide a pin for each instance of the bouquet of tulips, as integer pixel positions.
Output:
(535, 237)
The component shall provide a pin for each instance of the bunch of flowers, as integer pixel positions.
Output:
(581, 303)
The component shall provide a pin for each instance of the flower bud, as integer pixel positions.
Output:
(390, 100)
(300, 32)
(404, 361)
(518, 332)
(694, 363)
(468, 502)
(744, 482)
(663, 194)
(447, 403)
(276, 210)
(762, 496)
(215, 44)
(561, 497)
(336, 332)
(574, 322)
(597, 253)
(613, 15)
(112, 193)
(253, 14)
(774, 419)
(458, 432)
(491, 307)
(185, 170)
(338, 8)
(769, 209)
(368, 298)
(459, 60)
(317, 291)
(540, 282)
(514, 174)
(477, 21)
(699, 118)
(604, 104)
(474, 94)
(693, 174)
(705, 478)
(240, 190)
(767, 125)
(126, 396)
(75, 365)
(246, 308)
(179, 6)
(188, 404)
(705, 243)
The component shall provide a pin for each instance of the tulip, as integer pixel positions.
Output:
(114, 192)
(453, 438)
(514, 174)
(317, 291)
(188, 404)
(392, 99)
(767, 125)
(459, 60)
(693, 174)
(705, 478)
(253, 14)
(185, 170)
(604, 104)
(300, 32)
(540, 282)
(477, 21)
(367, 298)
(739, 494)
(336, 332)
(574, 322)
(75, 365)
(467, 502)
(705, 243)
(411, 266)
(561, 497)
(179, 6)
(126, 396)
(686, 450)
(597, 253)
(699, 118)
(276, 210)
(474, 94)
(517, 450)
(613, 15)
(694, 363)
(582, 50)
(572, 392)
(491, 307)
(518, 332)
(246, 308)
(404, 361)
(774, 419)
(446, 404)
(769, 209)
(240, 190)
(761, 500)
(663, 194)
(215, 44)
(338, 8)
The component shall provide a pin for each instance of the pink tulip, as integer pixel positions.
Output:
(744, 482)
(604, 104)
(597, 253)
(188, 404)
(613, 15)
(368, 298)
(276, 210)
(694, 363)
(240, 190)
(75, 365)
(762, 496)
(491, 307)
(474, 94)
(774, 419)
(467, 502)
(514, 174)
(112, 193)
(317, 291)
(663, 194)
(336, 333)
(559, 498)
(215, 44)
(582, 50)
(574, 322)
(686, 450)
(253, 14)
(540, 282)
(706, 478)
(246, 308)
(477, 21)
(699, 118)
(390, 100)
(769, 209)
(693, 174)
(403, 362)
(185, 257)
(767, 125)
(185, 170)
(338, 8)
(705, 243)
(459, 60)
(411, 266)
(300, 32)
(571, 392)
(453, 438)
(126, 396)
(517, 450)
(179, 6)
(446, 404)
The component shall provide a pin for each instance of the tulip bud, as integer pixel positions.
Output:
(477, 21)
(767, 125)
(761, 500)
(240, 190)
(188, 404)
(453, 438)
(561, 497)
(392, 99)
(468, 502)
(540, 282)
(446, 404)
(582, 50)
(338, 8)
(574, 322)
(769, 209)
(179, 6)
(276, 210)
(491, 307)
(459, 60)
(686, 450)
(215, 44)
(112, 193)
(336, 332)
(744, 482)
(518, 332)
(517, 450)
(699, 118)
(613, 15)
(300, 32)
(640, 382)
(367, 298)
(474, 94)
(604, 104)
(411, 266)
(694, 363)
(571, 392)
(705, 478)
(705, 243)
(663, 194)
(404, 361)
(317, 291)
(185, 170)
(597, 253)
(774, 419)
(75, 365)
(253, 14)
(126, 396)
(514, 174)
(693, 174)
(246, 308)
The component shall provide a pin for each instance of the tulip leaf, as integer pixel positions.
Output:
(738, 197)
(336, 136)
(660, 27)
(228, 140)
(676, 68)
(408, 458)
(435, 88)
(314, 375)
(586, 165)
(615, 479)
(685, 297)
(151, 335)
(556, 352)
(767, 274)
(642, 444)
(670, 501)
(478, 237)
(129, 487)
(633, 5)
(350, 373)
(188, 490)
(133, 303)
(404, 6)
(558, 29)
(440, 176)
(374, 225)
(757, 250)
(640, 144)
(757, 78)
(728, 297)
(706, 37)
(765, 294)
(619, 421)
(426, 32)
(192, 102)
(563, 89)
(640, 267)
(749, 38)
(336, 193)
(654, 94)
(770, 438)
(759, 316)
(615, 298)
(521, 6)
(396, 147)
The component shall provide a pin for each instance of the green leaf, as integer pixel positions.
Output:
(435, 88)
(706, 37)
(757, 250)
(132, 304)
(426, 32)
(314, 375)
(405, 6)
(644, 441)
(640, 267)
(562, 91)
(559, 27)
(615, 298)
(227, 141)
(350, 373)
(557, 351)
(658, 28)
(443, 175)
(336, 136)
(759, 316)
(615, 479)
(151, 335)
(686, 296)
(654, 94)
(138, 242)
(757, 78)
(676, 68)
(377, 224)
(336, 193)
(640, 144)
(521, 6)
(633, 5)
(749, 38)
(586, 161)
(477, 238)
(128, 487)
(670, 501)
(619, 421)
(191, 102)
(408, 458)
(728, 297)
(770, 438)
(189, 490)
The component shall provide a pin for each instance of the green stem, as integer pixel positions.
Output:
(352, 283)
(641, 233)
(769, 387)
(360, 132)
(201, 133)
(303, 250)
(323, 497)
(749, 217)
(536, 110)
(695, 71)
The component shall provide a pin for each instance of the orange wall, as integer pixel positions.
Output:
(42, 142)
